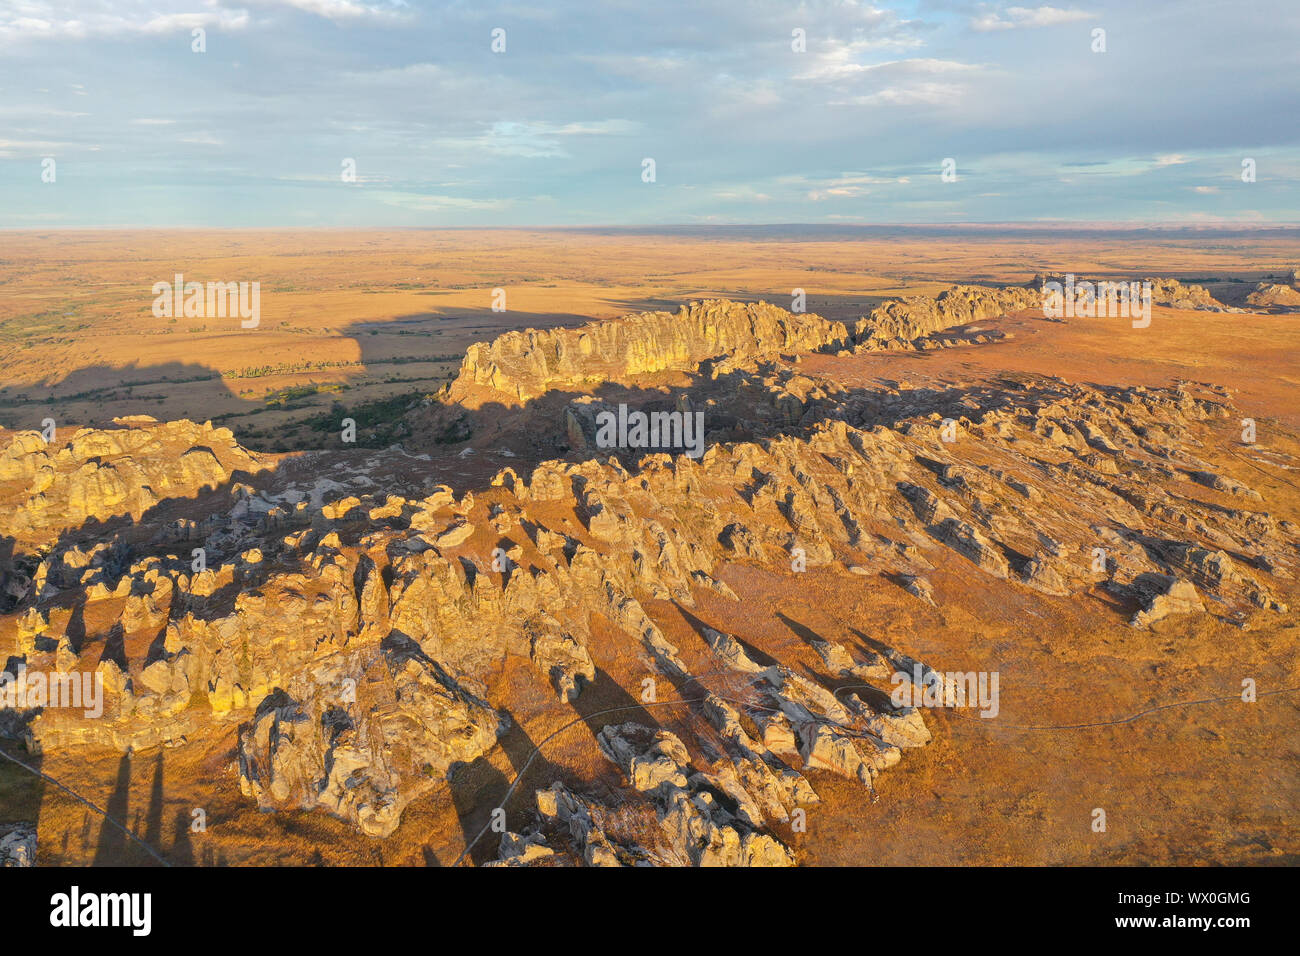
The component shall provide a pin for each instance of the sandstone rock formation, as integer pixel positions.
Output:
(18, 845)
(363, 734)
(1276, 295)
(522, 365)
(351, 644)
(103, 473)
(519, 366)
(912, 318)
(1171, 293)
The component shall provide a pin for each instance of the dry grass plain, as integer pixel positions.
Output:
(363, 317)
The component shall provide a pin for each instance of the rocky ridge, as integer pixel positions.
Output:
(103, 473)
(523, 365)
(520, 366)
(1284, 295)
(1170, 293)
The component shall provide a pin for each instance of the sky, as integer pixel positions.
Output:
(747, 120)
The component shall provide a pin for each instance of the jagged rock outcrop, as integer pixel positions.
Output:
(519, 366)
(1171, 293)
(708, 822)
(101, 473)
(1168, 596)
(1177, 295)
(912, 318)
(267, 633)
(560, 655)
(361, 735)
(354, 640)
(1271, 295)
(17, 845)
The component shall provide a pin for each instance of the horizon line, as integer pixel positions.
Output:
(1068, 224)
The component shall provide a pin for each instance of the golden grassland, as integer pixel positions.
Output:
(362, 317)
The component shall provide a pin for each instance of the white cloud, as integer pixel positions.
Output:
(26, 20)
(848, 192)
(82, 19)
(426, 201)
(852, 185)
(412, 71)
(177, 22)
(837, 61)
(914, 66)
(918, 94)
(915, 81)
(36, 110)
(641, 68)
(720, 96)
(741, 194)
(534, 140)
(1016, 17)
(11, 148)
(345, 9)
(610, 127)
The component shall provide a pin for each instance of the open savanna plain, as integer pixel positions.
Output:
(374, 320)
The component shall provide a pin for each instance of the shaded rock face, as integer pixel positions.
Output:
(720, 810)
(354, 642)
(707, 821)
(560, 655)
(1275, 295)
(18, 845)
(727, 350)
(1168, 596)
(361, 735)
